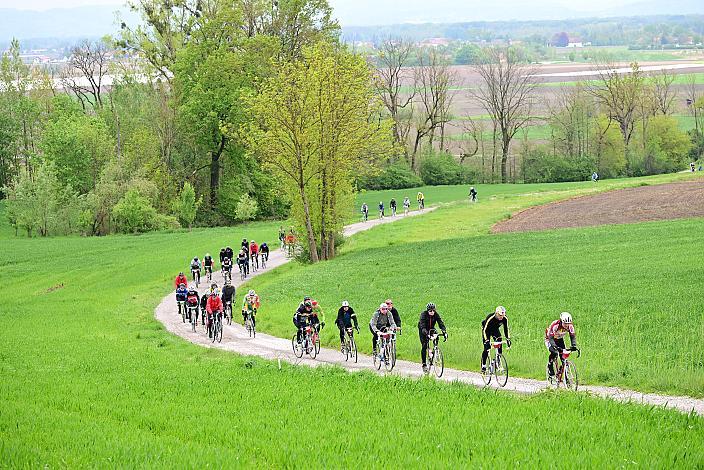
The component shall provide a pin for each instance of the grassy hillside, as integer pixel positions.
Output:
(90, 378)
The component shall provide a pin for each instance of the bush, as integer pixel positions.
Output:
(395, 176)
(540, 166)
(134, 213)
(246, 209)
(441, 169)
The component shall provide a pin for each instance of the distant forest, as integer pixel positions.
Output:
(641, 31)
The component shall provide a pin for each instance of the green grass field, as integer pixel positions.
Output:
(624, 286)
(91, 379)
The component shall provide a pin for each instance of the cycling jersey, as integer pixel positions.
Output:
(214, 305)
(208, 262)
(250, 303)
(381, 320)
(491, 327)
(195, 265)
(557, 330)
(181, 294)
(181, 279)
(228, 292)
(192, 298)
(254, 249)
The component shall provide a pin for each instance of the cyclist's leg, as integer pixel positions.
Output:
(423, 347)
(254, 318)
(374, 338)
(342, 333)
(485, 352)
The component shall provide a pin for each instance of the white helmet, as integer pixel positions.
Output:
(251, 292)
(383, 306)
(565, 317)
(345, 303)
(501, 310)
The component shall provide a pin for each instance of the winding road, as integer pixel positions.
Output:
(236, 339)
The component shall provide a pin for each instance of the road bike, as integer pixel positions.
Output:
(243, 270)
(566, 373)
(496, 365)
(385, 353)
(182, 309)
(193, 316)
(209, 273)
(264, 257)
(349, 345)
(249, 324)
(254, 259)
(195, 274)
(217, 327)
(228, 312)
(227, 273)
(436, 361)
(310, 343)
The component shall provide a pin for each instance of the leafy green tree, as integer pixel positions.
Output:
(134, 213)
(312, 126)
(187, 205)
(468, 54)
(246, 208)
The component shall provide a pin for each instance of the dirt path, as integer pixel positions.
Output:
(630, 205)
(237, 340)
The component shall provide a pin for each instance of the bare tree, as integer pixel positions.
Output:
(620, 95)
(393, 78)
(506, 94)
(570, 116)
(433, 80)
(664, 93)
(694, 94)
(86, 70)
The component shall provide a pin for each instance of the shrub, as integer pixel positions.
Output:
(395, 176)
(134, 213)
(543, 167)
(246, 209)
(442, 169)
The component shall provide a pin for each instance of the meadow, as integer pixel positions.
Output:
(91, 379)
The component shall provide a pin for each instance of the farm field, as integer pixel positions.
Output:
(90, 378)
(611, 278)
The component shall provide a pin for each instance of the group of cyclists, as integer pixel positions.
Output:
(420, 198)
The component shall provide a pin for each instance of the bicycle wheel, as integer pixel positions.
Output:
(487, 372)
(501, 370)
(183, 313)
(393, 354)
(313, 350)
(214, 330)
(194, 321)
(353, 349)
(438, 362)
(297, 347)
(316, 344)
(377, 359)
(570, 376)
(219, 331)
(388, 360)
(346, 349)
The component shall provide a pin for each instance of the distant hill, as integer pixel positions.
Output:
(89, 22)
(657, 7)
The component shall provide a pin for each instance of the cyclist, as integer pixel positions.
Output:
(222, 255)
(554, 338)
(301, 317)
(227, 267)
(282, 236)
(245, 245)
(428, 319)
(317, 317)
(473, 194)
(181, 294)
(208, 264)
(392, 205)
(490, 329)
(394, 313)
(180, 279)
(229, 254)
(228, 295)
(421, 200)
(345, 318)
(381, 319)
(242, 262)
(406, 205)
(192, 300)
(250, 304)
(213, 288)
(365, 212)
(381, 209)
(214, 306)
(195, 267)
(264, 251)
(254, 253)
(203, 305)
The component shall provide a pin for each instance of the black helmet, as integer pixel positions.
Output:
(430, 306)
(308, 303)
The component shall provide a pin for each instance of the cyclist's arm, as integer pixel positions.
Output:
(486, 324)
(573, 339)
(354, 319)
(372, 322)
(440, 323)
(506, 331)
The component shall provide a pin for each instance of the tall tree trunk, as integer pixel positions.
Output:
(309, 226)
(215, 172)
(504, 158)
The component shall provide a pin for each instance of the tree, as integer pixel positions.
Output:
(433, 80)
(187, 205)
(134, 213)
(506, 94)
(314, 122)
(664, 94)
(85, 72)
(392, 78)
(570, 118)
(620, 95)
(468, 54)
